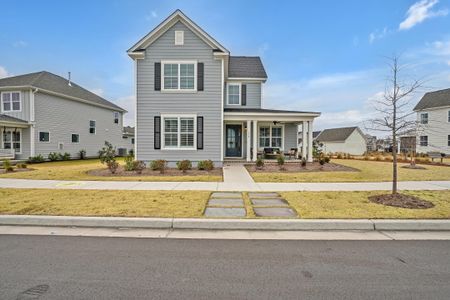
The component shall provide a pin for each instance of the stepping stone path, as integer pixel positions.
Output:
(271, 205)
(225, 205)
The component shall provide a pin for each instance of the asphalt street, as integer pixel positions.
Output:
(58, 267)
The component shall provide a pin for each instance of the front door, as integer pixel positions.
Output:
(233, 141)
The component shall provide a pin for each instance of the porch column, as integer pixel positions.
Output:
(304, 139)
(249, 139)
(32, 141)
(255, 140)
(310, 141)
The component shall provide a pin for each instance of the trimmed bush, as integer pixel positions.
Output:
(303, 163)
(184, 165)
(158, 165)
(36, 159)
(259, 163)
(129, 162)
(7, 166)
(339, 156)
(322, 161)
(138, 166)
(112, 166)
(53, 156)
(206, 165)
(21, 166)
(64, 156)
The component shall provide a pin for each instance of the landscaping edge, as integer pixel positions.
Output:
(228, 224)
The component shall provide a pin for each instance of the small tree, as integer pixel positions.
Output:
(394, 111)
(107, 156)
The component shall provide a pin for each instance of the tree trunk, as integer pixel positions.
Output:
(394, 150)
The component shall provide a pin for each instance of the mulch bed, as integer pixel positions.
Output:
(296, 167)
(148, 172)
(401, 200)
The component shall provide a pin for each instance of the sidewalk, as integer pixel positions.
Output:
(230, 185)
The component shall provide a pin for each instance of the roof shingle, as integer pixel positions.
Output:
(434, 99)
(246, 67)
(7, 118)
(336, 134)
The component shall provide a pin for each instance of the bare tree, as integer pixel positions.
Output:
(394, 109)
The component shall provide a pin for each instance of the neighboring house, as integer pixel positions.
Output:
(407, 142)
(195, 101)
(433, 118)
(384, 145)
(371, 142)
(300, 136)
(128, 139)
(346, 140)
(42, 113)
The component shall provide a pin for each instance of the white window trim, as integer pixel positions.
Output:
(420, 141)
(240, 93)
(49, 136)
(270, 135)
(12, 146)
(181, 32)
(114, 118)
(95, 127)
(422, 114)
(10, 92)
(179, 89)
(71, 138)
(179, 116)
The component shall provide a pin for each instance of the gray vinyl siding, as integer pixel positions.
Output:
(62, 117)
(253, 96)
(151, 103)
(24, 114)
(290, 136)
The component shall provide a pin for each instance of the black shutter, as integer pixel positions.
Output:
(244, 95)
(200, 76)
(157, 133)
(157, 76)
(200, 133)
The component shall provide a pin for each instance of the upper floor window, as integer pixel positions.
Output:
(424, 140)
(179, 76)
(424, 118)
(11, 101)
(448, 141)
(92, 126)
(234, 94)
(116, 117)
(179, 38)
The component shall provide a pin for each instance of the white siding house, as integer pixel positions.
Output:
(345, 140)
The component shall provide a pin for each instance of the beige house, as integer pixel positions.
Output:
(346, 140)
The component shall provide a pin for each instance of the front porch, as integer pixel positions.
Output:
(12, 132)
(248, 133)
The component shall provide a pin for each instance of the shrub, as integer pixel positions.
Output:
(259, 163)
(326, 159)
(322, 161)
(138, 166)
(112, 166)
(129, 162)
(53, 156)
(339, 156)
(158, 165)
(36, 159)
(21, 166)
(82, 154)
(303, 163)
(379, 157)
(7, 166)
(64, 156)
(280, 160)
(207, 165)
(184, 165)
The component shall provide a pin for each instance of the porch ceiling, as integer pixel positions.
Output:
(268, 115)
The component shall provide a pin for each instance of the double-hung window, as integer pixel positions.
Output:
(116, 117)
(448, 140)
(271, 136)
(424, 118)
(92, 127)
(424, 140)
(11, 101)
(234, 94)
(448, 116)
(12, 139)
(75, 138)
(179, 132)
(179, 76)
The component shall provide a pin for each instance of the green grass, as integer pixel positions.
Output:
(77, 170)
(184, 204)
(369, 171)
(355, 205)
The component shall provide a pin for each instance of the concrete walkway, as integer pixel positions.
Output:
(230, 185)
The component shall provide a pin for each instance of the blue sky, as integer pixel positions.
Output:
(326, 56)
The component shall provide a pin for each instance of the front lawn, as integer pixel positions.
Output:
(78, 170)
(369, 171)
(181, 204)
(355, 205)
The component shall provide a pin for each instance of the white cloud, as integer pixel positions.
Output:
(378, 35)
(20, 44)
(3, 72)
(127, 103)
(152, 15)
(448, 63)
(419, 12)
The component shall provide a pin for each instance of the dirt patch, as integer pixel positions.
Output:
(401, 200)
(3, 171)
(297, 167)
(148, 172)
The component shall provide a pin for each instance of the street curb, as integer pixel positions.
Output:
(228, 224)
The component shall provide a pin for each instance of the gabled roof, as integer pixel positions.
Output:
(9, 119)
(246, 67)
(177, 16)
(336, 134)
(434, 99)
(48, 82)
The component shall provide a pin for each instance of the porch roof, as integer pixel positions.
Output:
(6, 120)
(268, 114)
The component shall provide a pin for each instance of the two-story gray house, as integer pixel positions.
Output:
(42, 113)
(196, 101)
